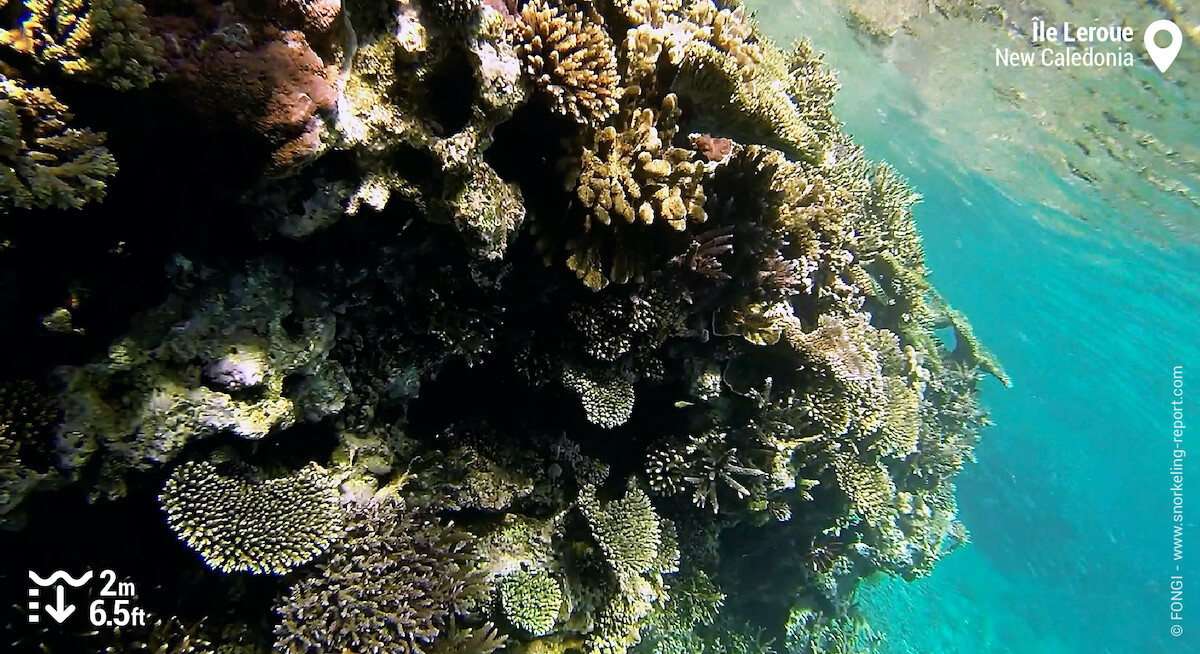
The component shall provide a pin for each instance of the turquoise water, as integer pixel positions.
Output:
(1069, 506)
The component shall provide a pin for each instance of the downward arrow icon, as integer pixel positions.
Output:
(61, 611)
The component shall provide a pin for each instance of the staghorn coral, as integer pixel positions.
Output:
(239, 522)
(705, 464)
(531, 601)
(104, 41)
(570, 58)
(393, 583)
(607, 399)
(43, 162)
(631, 178)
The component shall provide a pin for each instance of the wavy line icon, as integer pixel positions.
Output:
(60, 575)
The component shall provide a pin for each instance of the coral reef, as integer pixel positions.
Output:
(237, 522)
(556, 326)
(213, 363)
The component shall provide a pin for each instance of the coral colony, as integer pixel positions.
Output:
(465, 327)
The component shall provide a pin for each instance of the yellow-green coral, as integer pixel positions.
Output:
(900, 429)
(630, 178)
(871, 491)
(43, 162)
(627, 531)
(107, 41)
(607, 398)
(570, 58)
(531, 600)
(750, 89)
(237, 522)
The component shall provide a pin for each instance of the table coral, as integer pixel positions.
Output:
(237, 522)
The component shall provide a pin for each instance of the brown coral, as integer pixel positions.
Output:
(571, 58)
(44, 163)
(269, 81)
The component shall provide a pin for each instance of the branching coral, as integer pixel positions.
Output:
(752, 91)
(43, 162)
(106, 41)
(531, 601)
(393, 583)
(571, 58)
(239, 522)
(799, 422)
(705, 464)
(632, 177)
(871, 491)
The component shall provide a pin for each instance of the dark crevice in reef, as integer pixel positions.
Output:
(451, 88)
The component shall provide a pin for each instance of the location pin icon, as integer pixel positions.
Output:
(1163, 56)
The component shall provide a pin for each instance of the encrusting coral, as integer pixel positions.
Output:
(553, 326)
(237, 522)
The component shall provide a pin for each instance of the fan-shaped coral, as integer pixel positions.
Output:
(239, 522)
(607, 398)
(531, 600)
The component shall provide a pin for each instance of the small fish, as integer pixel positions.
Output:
(683, 404)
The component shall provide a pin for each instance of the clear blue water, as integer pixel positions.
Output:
(1070, 504)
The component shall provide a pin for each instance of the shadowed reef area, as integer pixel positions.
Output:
(453, 327)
